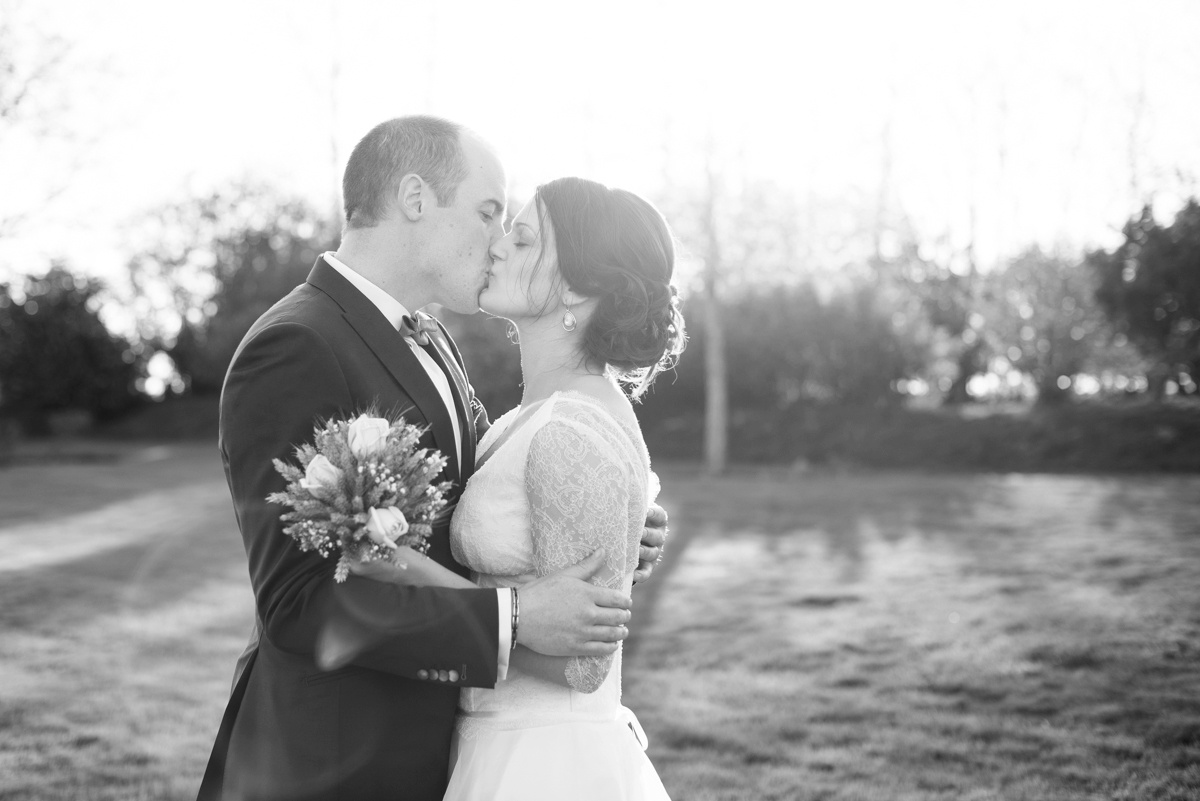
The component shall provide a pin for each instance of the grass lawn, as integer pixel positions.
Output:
(906, 636)
(856, 636)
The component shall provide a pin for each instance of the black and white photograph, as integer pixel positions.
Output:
(654, 400)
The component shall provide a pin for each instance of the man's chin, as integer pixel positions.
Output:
(481, 302)
(467, 305)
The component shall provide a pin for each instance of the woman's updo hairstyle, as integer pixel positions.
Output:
(615, 246)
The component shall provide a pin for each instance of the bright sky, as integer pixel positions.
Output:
(1050, 119)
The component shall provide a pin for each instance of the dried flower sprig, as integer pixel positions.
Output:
(362, 489)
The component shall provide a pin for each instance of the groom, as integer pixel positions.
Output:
(424, 201)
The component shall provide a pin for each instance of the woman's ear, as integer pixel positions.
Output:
(412, 195)
(570, 297)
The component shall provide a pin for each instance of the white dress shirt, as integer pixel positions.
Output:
(394, 311)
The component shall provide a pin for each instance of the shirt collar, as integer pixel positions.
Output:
(391, 308)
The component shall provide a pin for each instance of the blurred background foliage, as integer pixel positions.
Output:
(855, 320)
(207, 268)
(57, 357)
(889, 358)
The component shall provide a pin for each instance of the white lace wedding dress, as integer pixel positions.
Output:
(570, 477)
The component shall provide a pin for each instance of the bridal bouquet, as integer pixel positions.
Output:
(363, 488)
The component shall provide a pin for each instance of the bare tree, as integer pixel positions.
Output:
(31, 66)
(716, 407)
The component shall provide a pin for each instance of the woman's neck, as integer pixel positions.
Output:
(551, 362)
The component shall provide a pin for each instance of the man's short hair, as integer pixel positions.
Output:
(430, 147)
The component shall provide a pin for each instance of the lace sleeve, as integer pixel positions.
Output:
(578, 501)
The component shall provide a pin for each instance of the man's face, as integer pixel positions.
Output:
(456, 253)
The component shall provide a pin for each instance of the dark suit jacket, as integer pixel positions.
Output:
(372, 729)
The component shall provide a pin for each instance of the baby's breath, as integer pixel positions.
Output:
(332, 519)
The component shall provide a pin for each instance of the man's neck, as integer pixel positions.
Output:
(378, 261)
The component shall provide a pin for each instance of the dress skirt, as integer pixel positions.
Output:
(603, 760)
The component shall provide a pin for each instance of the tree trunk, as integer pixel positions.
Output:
(968, 366)
(1049, 393)
(716, 407)
(1157, 379)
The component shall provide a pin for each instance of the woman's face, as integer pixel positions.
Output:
(515, 290)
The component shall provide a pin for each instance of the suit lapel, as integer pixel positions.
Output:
(391, 349)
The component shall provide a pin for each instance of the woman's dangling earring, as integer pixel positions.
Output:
(514, 336)
(569, 321)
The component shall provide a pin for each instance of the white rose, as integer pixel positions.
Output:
(367, 435)
(385, 525)
(320, 474)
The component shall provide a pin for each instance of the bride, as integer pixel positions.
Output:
(584, 276)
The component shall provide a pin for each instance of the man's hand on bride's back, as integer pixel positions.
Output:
(563, 614)
(654, 543)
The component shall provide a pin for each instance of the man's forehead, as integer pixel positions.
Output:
(484, 166)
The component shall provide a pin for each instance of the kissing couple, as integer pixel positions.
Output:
(490, 670)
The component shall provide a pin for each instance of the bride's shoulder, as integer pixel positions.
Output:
(576, 427)
(584, 406)
(601, 416)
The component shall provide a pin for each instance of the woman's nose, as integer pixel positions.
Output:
(496, 251)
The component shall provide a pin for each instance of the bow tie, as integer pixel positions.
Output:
(417, 329)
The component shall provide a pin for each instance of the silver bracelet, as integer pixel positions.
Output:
(516, 616)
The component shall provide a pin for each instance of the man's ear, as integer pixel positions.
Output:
(412, 196)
